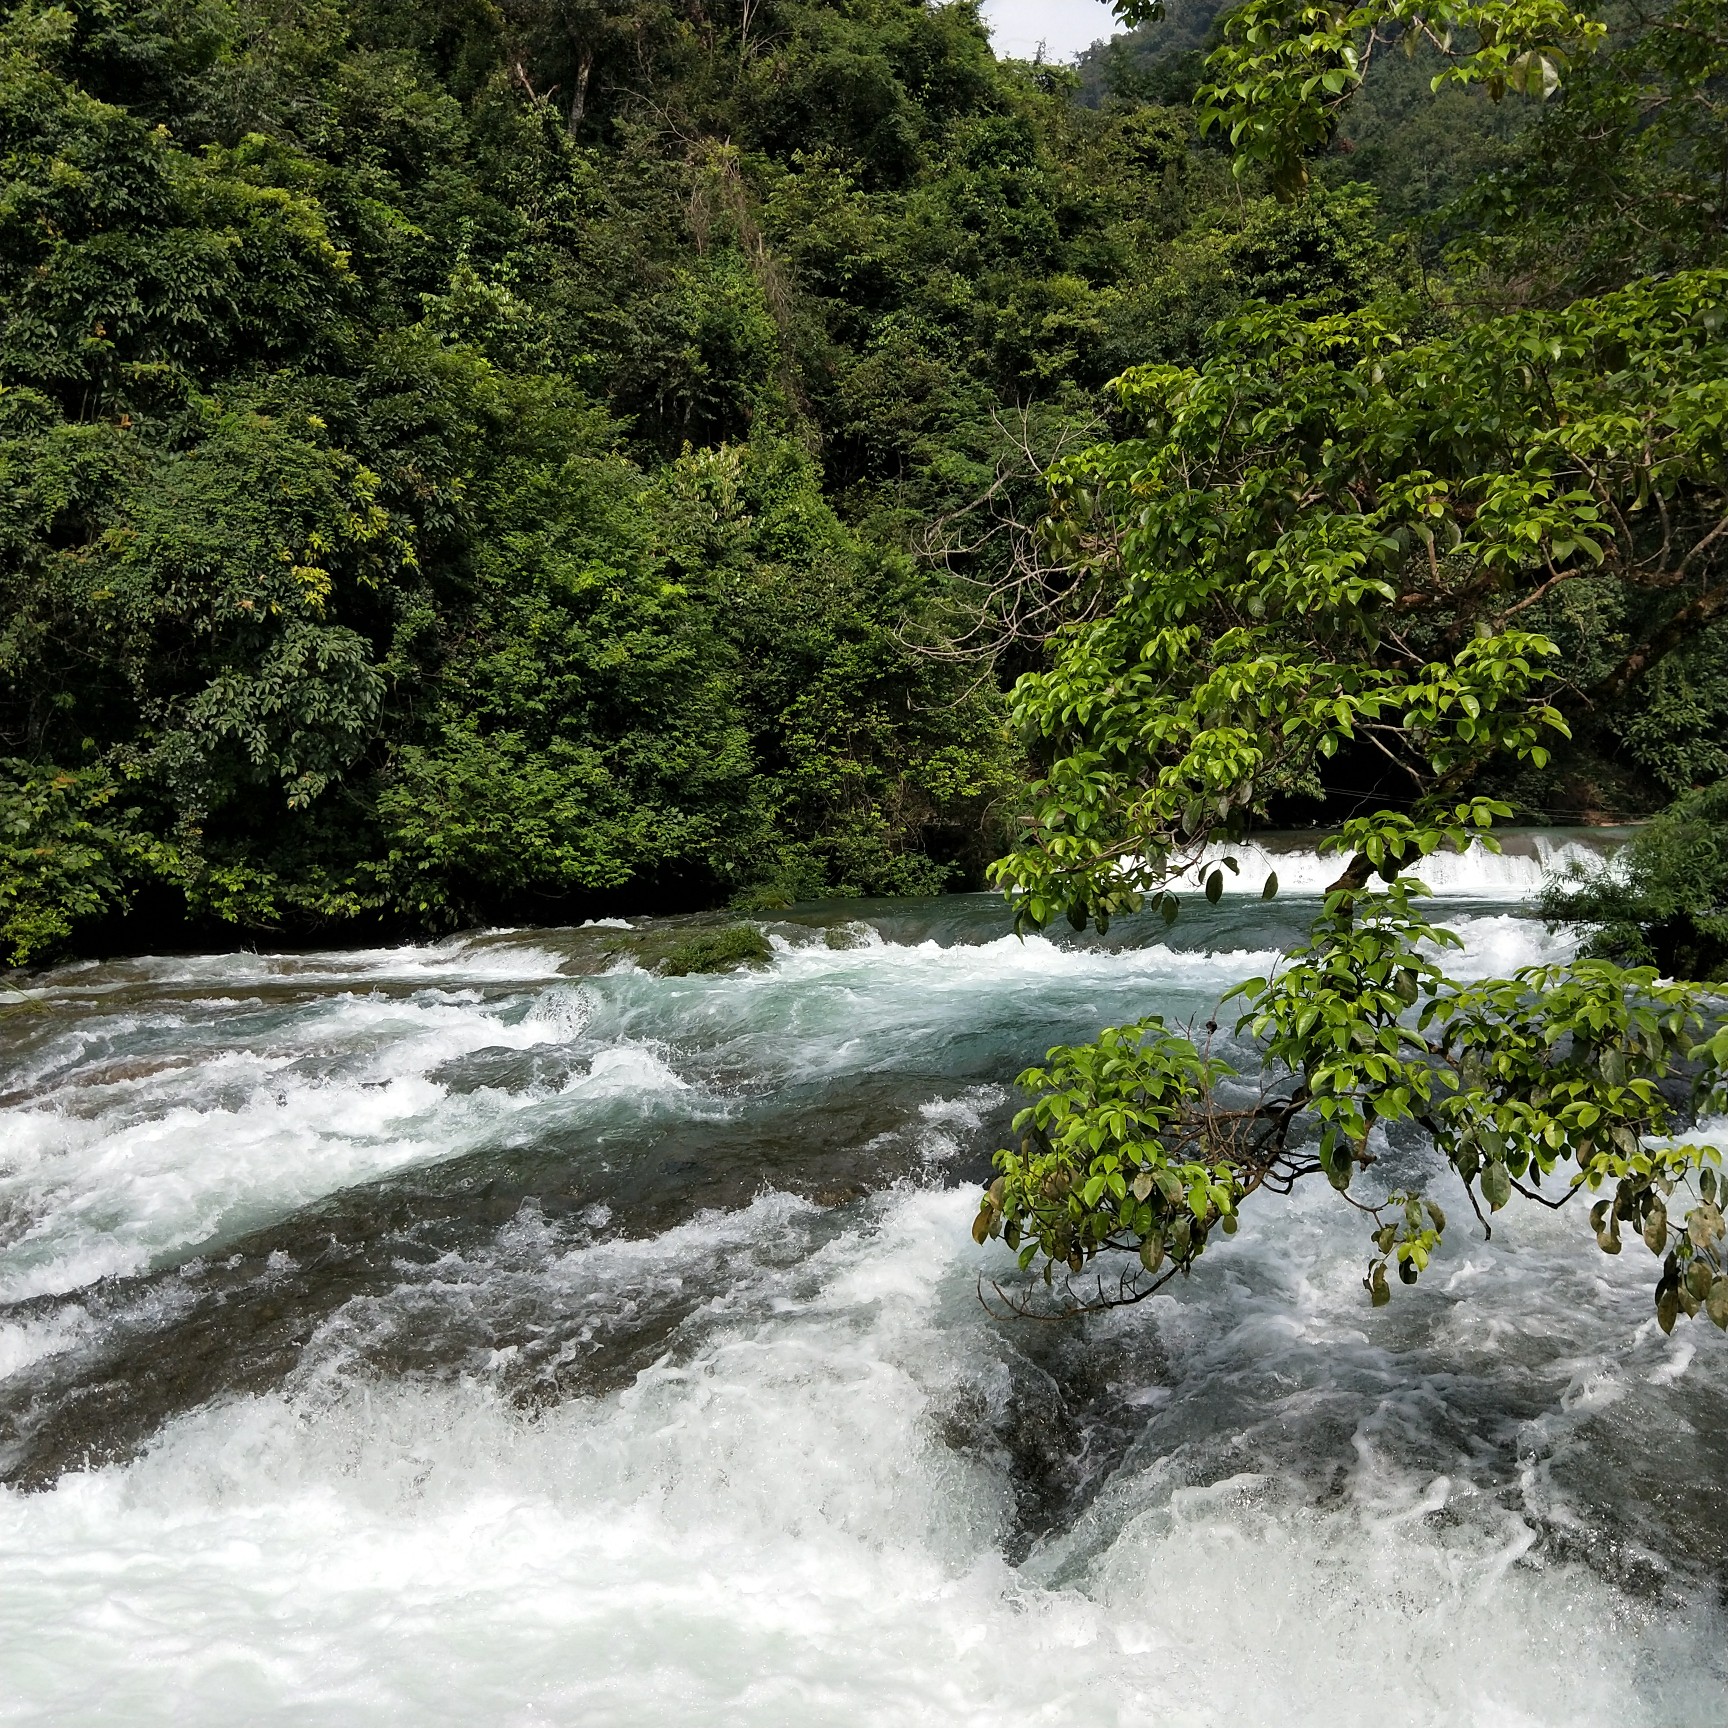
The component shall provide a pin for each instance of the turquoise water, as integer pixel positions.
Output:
(496, 1333)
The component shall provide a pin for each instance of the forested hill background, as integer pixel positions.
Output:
(480, 460)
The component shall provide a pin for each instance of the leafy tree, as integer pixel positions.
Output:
(1331, 540)
(1663, 900)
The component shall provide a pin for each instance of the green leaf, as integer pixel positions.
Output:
(1496, 1185)
(1271, 887)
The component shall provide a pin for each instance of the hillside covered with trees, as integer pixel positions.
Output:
(515, 459)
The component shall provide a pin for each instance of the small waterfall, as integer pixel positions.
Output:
(1513, 874)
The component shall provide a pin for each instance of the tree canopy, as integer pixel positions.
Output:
(1361, 535)
(474, 461)
(461, 462)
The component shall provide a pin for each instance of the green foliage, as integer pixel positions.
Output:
(1335, 537)
(1114, 1157)
(1621, 174)
(466, 462)
(1663, 899)
(723, 950)
(65, 855)
(433, 501)
(1677, 733)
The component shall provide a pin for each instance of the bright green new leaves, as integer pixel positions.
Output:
(1119, 1152)
(1550, 1084)
(1510, 1077)
(1406, 1242)
(1286, 67)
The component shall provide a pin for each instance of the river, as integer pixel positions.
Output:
(495, 1333)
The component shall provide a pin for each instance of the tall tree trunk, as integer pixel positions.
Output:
(579, 102)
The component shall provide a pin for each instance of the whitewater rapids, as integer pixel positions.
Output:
(495, 1333)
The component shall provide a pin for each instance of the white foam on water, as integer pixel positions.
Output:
(24, 1342)
(931, 969)
(242, 1112)
(1498, 944)
(489, 957)
(110, 1178)
(1475, 874)
(773, 1524)
(628, 1070)
(930, 974)
(950, 1123)
(819, 1011)
(151, 1132)
(768, 1527)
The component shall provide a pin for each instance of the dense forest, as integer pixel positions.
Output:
(495, 460)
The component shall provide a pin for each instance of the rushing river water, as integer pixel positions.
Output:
(495, 1333)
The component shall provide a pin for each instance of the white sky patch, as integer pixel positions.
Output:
(1065, 27)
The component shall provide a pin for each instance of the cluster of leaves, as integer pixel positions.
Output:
(1614, 170)
(1621, 175)
(1662, 900)
(65, 854)
(1338, 541)
(1555, 1083)
(1118, 1152)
